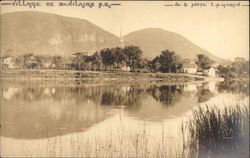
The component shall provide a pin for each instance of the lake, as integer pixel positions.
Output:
(76, 118)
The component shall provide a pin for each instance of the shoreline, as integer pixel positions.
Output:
(103, 76)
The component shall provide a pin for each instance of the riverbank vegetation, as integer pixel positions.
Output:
(239, 69)
(128, 59)
(99, 75)
(214, 132)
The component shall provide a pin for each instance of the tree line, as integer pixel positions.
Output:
(129, 58)
(237, 69)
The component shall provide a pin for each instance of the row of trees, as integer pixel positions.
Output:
(129, 58)
(238, 69)
(109, 59)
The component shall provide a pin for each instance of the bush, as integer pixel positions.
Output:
(219, 133)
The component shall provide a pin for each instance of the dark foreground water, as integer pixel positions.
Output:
(82, 119)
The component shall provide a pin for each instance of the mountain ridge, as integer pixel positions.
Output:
(160, 40)
(60, 34)
(52, 34)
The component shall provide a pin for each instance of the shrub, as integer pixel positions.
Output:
(215, 132)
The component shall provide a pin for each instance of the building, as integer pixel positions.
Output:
(210, 72)
(9, 62)
(190, 68)
(125, 67)
(121, 39)
(33, 62)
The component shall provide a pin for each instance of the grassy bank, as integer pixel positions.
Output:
(99, 75)
(214, 132)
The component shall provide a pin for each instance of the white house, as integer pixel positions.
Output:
(190, 68)
(210, 72)
(9, 62)
(125, 68)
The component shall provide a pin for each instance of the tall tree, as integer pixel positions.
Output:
(204, 62)
(107, 57)
(169, 61)
(79, 61)
(58, 62)
(39, 61)
(120, 58)
(26, 61)
(96, 61)
(240, 66)
(155, 65)
(134, 56)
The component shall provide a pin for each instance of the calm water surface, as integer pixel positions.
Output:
(79, 118)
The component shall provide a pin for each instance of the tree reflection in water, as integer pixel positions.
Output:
(234, 87)
(53, 105)
(165, 94)
(204, 95)
(130, 95)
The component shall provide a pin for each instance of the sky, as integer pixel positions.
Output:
(223, 31)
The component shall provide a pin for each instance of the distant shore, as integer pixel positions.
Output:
(102, 75)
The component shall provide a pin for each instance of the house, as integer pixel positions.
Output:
(125, 68)
(32, 62)
(215, 65)
(69, 64)
(9, 62)
(190, 68)
(211, 72)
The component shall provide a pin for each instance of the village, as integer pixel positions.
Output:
(122, 58)
(30, 61)
(104, 61)
(165, 79)
(128, 58)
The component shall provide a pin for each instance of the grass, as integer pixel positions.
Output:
(99, 75)
(214, 132)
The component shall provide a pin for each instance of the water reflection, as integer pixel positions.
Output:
(167, 95)
(35, 109)
(234, 87)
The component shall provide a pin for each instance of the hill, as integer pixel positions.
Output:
(43, 33)
(50, 34)
(153, 40)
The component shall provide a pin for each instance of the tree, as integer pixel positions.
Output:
(144, 65)
(39, 61)
(26, 61)
(79, 61)
(134, 56)
(96, 61)
(155, 65)
(169, 61)
(204, 62)
(240, 66)
(222, 70)
(31, 62)
(58, 62)
(120, 58)
(107, 57)
(238, 69)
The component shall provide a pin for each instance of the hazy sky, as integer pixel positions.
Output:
(222, 31)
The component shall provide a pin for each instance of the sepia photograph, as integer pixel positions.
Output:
(132, 79)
